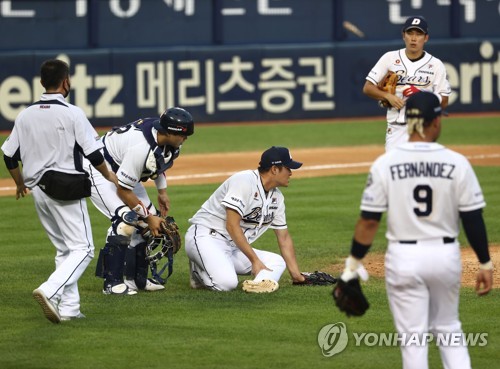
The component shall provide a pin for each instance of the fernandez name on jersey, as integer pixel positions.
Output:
(422, 169)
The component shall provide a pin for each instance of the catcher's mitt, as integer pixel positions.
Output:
(171, 230)
(388, 84)
(349, 298)
(168, 238)
(316, 278)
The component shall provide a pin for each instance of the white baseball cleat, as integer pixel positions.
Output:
(49, 309)
(151, 285)
(73, 317)
(264, 286)
(118, 289)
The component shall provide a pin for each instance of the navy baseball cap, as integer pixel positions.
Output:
(423, 105)
(417, 22)
(278, 156)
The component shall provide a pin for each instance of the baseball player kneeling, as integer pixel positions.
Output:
(218, 242)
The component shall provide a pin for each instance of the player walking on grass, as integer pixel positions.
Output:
(50, 138)
(425, 189)
(416, 71)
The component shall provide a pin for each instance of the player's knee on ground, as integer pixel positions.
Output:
(225, 284)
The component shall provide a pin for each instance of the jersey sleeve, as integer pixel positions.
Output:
(380, 69)
(11, 144)
(374, 198)
(237, 195)
(470, 193)
(161, 181)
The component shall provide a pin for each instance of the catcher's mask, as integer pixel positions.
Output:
(158, 248)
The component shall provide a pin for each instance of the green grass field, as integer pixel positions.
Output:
(184, 328)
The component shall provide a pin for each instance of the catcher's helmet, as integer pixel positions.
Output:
(176, 121)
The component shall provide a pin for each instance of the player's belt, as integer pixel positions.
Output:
(414, 242)
(398, 124)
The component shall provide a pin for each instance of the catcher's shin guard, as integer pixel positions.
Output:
(111, 260)
(136, 266)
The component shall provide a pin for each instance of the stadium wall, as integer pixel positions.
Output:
(230, 61)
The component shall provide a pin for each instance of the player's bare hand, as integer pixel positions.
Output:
(155, 224)
(484, 281)
(395, 101)
(21, 190)
(163, 203)
(257, 266)
(298, 279)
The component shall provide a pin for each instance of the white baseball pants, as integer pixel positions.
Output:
(423, 283)
(218, 261)
(395, 135)
(67, 224)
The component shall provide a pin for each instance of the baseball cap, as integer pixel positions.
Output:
(423, 105)
(417, 22)
(278, 156)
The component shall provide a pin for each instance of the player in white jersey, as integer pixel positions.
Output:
(425, 189)
(136, 152)
(218, 242)
(50, 138)
(417, 70)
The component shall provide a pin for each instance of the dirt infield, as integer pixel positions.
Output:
(374, 264)
(214, 168)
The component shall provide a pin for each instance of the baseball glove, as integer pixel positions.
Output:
(388, 84)
(316, 278)
(171, 230)
(349, 298)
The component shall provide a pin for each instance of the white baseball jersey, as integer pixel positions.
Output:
(130, 150)
(243, 192)
(436, 181)
(427, 74)
(49, 135)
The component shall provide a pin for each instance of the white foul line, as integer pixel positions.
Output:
(227, 174)
(309, 168)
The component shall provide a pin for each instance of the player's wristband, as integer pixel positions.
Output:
(359, 250)
(141, 210)
(486, 266)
